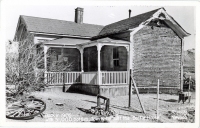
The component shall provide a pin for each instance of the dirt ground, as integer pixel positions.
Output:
(75, 106)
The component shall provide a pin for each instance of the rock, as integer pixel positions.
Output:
(97, 119)
(92, 111)
(49, 99)
(191, 111)
(59, 104)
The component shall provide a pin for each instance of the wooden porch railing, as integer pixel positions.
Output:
(107, 77)
(114, 77)
(63, 77)
(90, 78)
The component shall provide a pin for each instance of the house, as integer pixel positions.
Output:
(150, 45)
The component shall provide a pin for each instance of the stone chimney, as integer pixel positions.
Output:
(79, 15)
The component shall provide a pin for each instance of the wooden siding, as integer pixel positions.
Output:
(157, 55)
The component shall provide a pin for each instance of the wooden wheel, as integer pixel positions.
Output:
(24, 110)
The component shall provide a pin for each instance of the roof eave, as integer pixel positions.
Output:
(177, 28)
(61, 35)
(19, 21)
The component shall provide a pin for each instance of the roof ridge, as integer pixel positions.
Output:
(135, 16)
(58, 20)
(112, 29)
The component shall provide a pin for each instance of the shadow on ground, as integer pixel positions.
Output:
(169, 100)
(87, 111)
(118, 107)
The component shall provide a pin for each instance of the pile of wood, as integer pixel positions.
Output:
(100, 111)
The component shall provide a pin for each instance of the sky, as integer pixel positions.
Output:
(95, 14)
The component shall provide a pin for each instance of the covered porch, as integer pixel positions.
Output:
(101, 62)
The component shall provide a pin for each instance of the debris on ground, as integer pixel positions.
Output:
(25, 109)
(78, 107)
(191, 114)
(101, 120)
(182, 116)
(101, 111)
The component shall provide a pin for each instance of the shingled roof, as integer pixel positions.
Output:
(91, 31)
(60, 27)
(125, 24)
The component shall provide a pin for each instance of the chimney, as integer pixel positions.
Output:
(79, 15)
(129, 13)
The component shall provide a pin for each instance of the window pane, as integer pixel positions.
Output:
(115, 53)
(116, 62)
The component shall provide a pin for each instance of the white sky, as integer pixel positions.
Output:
(101, 15)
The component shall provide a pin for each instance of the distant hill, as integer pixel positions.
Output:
(189, 61)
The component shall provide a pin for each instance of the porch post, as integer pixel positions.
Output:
(130, 67)
(82, 69)
(45, 63)
(81, 51)
(131, 52)
(128, 57)
(99, 63)
(182, 60)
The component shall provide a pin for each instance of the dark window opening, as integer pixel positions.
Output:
(116, 56)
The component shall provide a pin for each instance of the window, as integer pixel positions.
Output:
(116, 56)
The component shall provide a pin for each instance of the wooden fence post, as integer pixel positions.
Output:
(63, 82)
(189, 84)
(98, 101)
(137, 92)
(157, 112)
(130, 90)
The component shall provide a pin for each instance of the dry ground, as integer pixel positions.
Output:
(74, 105)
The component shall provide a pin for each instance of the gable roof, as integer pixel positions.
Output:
(91, 31)
(60, 27)
(133, 22)
(125, 24)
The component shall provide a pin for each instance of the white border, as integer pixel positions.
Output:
(99, 3)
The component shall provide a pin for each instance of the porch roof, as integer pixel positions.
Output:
(67, 41)
(106, 40)
(110, 40)
(82, 42)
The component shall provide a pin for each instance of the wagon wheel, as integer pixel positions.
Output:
(24, 110)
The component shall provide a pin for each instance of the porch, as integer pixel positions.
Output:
(100, 62)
